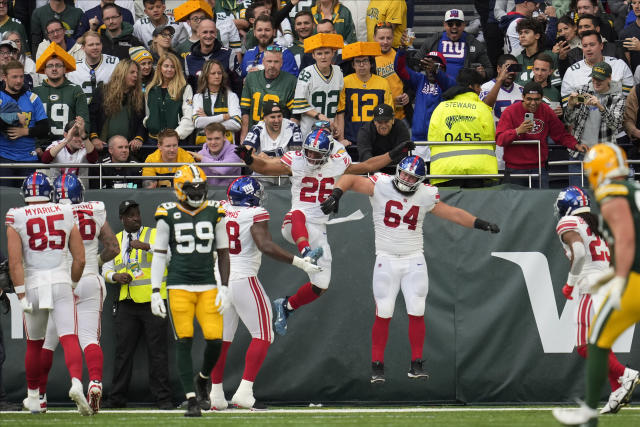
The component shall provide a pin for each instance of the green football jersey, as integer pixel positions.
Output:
(631, 192)
(191, 241)
(13, 24)
(63, 103)
(257, 90)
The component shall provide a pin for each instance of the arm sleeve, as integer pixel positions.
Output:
(185, 126)
(159, 260)
(222, 239)
(506, 131)
(579, 257)
(108, 270)
(365, 151)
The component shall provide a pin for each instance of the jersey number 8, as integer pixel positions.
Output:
(186, 241)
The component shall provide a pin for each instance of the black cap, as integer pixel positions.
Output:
(270, 107)
(126, 205)
(382, 113)
(158, 30)
(532, 87)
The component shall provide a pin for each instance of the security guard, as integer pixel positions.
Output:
(462, 117)
(131, 269)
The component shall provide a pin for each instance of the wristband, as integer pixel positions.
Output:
(19, 289)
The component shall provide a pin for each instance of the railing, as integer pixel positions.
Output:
(100, 166)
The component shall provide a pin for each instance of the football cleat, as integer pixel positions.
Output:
(202, 387)
(410, 173)
(94, 394)
(68, 189)
(629, 382)
(417, 370)
(218, 401)
(281, 314)
(583, 415)
(33, 402)
(42, 399)
(190, 185)
(243, 400)
(76, 393)
(246, 191)
(37, 187)
(377, 373)
(604, 162)
(314, 254)
(615, 402)
(193, 408)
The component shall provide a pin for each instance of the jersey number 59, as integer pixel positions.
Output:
(187, 242)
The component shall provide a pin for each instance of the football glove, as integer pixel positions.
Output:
(331, 204)
(223, 299)
(245, 154)
(27, 307)
(615, 289)
(567, 291)
(481, 224)
(306, 264)
(157, 305)
(401, 151)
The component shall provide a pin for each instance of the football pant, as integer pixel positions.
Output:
(249, 302)
(183, 305)
(391, 274)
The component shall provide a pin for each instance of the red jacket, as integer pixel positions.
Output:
(546, 124)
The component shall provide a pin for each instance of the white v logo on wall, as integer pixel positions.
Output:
(557, 332)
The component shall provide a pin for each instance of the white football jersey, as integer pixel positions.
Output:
(82, 75)
(512, 39)
(311, 186)
(598, 256)
(398, 218)
(143, 30)
(314, 91)
(90, 217)
(44, 230)
(579, 74)
(65, 156)
(244, 255)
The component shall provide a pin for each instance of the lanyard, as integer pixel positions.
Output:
(127, 253)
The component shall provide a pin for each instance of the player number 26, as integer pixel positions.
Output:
(187, 241)
(315, 190)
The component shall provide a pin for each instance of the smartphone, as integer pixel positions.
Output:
(514, 68)
(620, 43)
(528, 117)
(561, 39)
(580, 99)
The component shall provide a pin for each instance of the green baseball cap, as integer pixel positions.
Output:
(601, 71)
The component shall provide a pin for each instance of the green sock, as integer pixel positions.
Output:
(185, 365)
(211, 353)
(597, 365)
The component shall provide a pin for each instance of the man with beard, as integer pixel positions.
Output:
(264, 31)
(117, 38)
(383, 35)
(273, 135)
(304, 28)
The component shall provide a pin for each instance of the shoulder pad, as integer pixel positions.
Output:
(162, 210)
(611, 190)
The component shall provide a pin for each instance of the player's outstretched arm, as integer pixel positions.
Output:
(376, 163)
(262, 237)
(110, 242)
(578, 257)
(76, 247)
(264, 166)
(16, 268)
(359, 184)
(462, 217)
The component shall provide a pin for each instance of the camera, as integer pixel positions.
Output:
(581, 99)
(514, 68)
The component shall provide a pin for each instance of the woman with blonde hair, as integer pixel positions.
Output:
(214, 102)
(117, 108)
(168, 100)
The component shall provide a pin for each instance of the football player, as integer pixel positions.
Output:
(40, 236)
(314, 170)
(91, 219)
(249, 237)
(607, 170)
(319, 85)
(194, 229)
(400, 204)
(584, 245)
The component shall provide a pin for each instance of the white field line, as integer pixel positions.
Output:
(320, 410)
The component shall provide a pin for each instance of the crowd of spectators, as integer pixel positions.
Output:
(187, 81)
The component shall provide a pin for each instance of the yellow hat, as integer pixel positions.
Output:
(55, 51)
(334, 41)
(182, 12)
(361, 49)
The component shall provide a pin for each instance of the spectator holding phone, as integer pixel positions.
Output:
(595, 112)
(531, 119)
(630, 37)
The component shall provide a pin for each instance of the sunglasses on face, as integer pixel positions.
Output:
(274, 48)
(455, 23)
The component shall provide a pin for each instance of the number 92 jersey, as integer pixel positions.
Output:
(598, 256)
(44, 230)
(192, 235)
(90, 217)
(398, 218)
(311, 186)
(244, 255)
